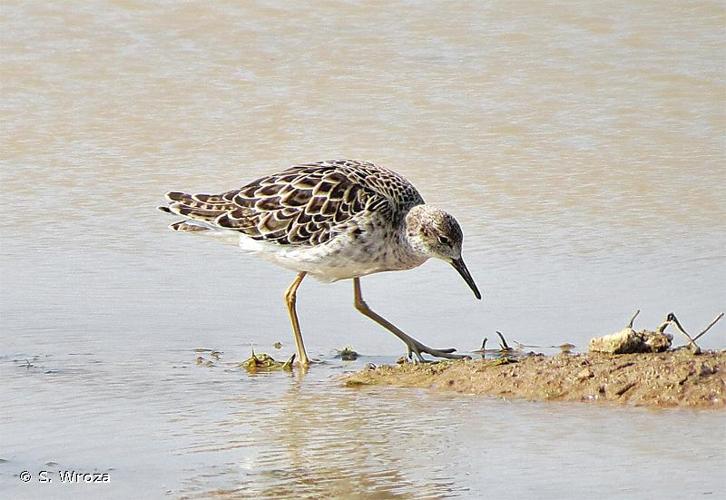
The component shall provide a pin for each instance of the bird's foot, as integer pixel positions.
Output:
(417, 348)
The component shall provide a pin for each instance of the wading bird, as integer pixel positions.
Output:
(333, 220)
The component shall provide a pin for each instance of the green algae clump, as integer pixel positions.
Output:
(348, 354)
(264, 362)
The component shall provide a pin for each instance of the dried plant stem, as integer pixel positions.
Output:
(692, 340)
(630, 323)
(503, 344)
(708, 327)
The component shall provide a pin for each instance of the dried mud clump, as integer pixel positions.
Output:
(628, 341)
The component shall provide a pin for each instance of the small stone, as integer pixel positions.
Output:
(656, 341)
(584, 374)
(706, 370)
(567, 347)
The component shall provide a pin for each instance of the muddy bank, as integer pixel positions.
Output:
(668, 379)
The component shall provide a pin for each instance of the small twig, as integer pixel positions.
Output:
(288, 364)
(708, 327)
(483, 349)
(503, 344)
(671, 318)
(691, 341)
(661, 328)
(625, 388)
(630, 323)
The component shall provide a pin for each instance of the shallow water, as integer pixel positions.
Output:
(581, 148)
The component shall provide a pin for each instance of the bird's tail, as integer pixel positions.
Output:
(200, 211)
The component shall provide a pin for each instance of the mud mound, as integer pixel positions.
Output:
(667, 379)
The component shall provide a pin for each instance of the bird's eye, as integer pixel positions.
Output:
(444, 240)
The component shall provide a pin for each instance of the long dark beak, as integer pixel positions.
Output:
(461, 268)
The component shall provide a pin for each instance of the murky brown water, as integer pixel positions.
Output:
(583, 148)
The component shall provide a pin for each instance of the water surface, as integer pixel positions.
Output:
(581, 148)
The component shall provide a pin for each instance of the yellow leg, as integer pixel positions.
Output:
(413, 345)
(290, 297)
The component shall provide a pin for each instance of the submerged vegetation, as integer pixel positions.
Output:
(347, 354)
(265, 362)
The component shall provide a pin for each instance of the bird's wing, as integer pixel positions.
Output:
(304, 205)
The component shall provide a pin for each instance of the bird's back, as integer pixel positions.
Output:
(305, 205)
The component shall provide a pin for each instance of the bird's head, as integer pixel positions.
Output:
(434, 233)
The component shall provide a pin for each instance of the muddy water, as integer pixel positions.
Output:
(582, 149)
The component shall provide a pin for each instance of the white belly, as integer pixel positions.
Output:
(341, 258)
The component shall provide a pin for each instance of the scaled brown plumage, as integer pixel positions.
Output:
(305, 205)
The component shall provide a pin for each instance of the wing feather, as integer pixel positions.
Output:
(306, 204)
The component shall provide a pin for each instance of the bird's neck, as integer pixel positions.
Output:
(412, 231)
(408, 255)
